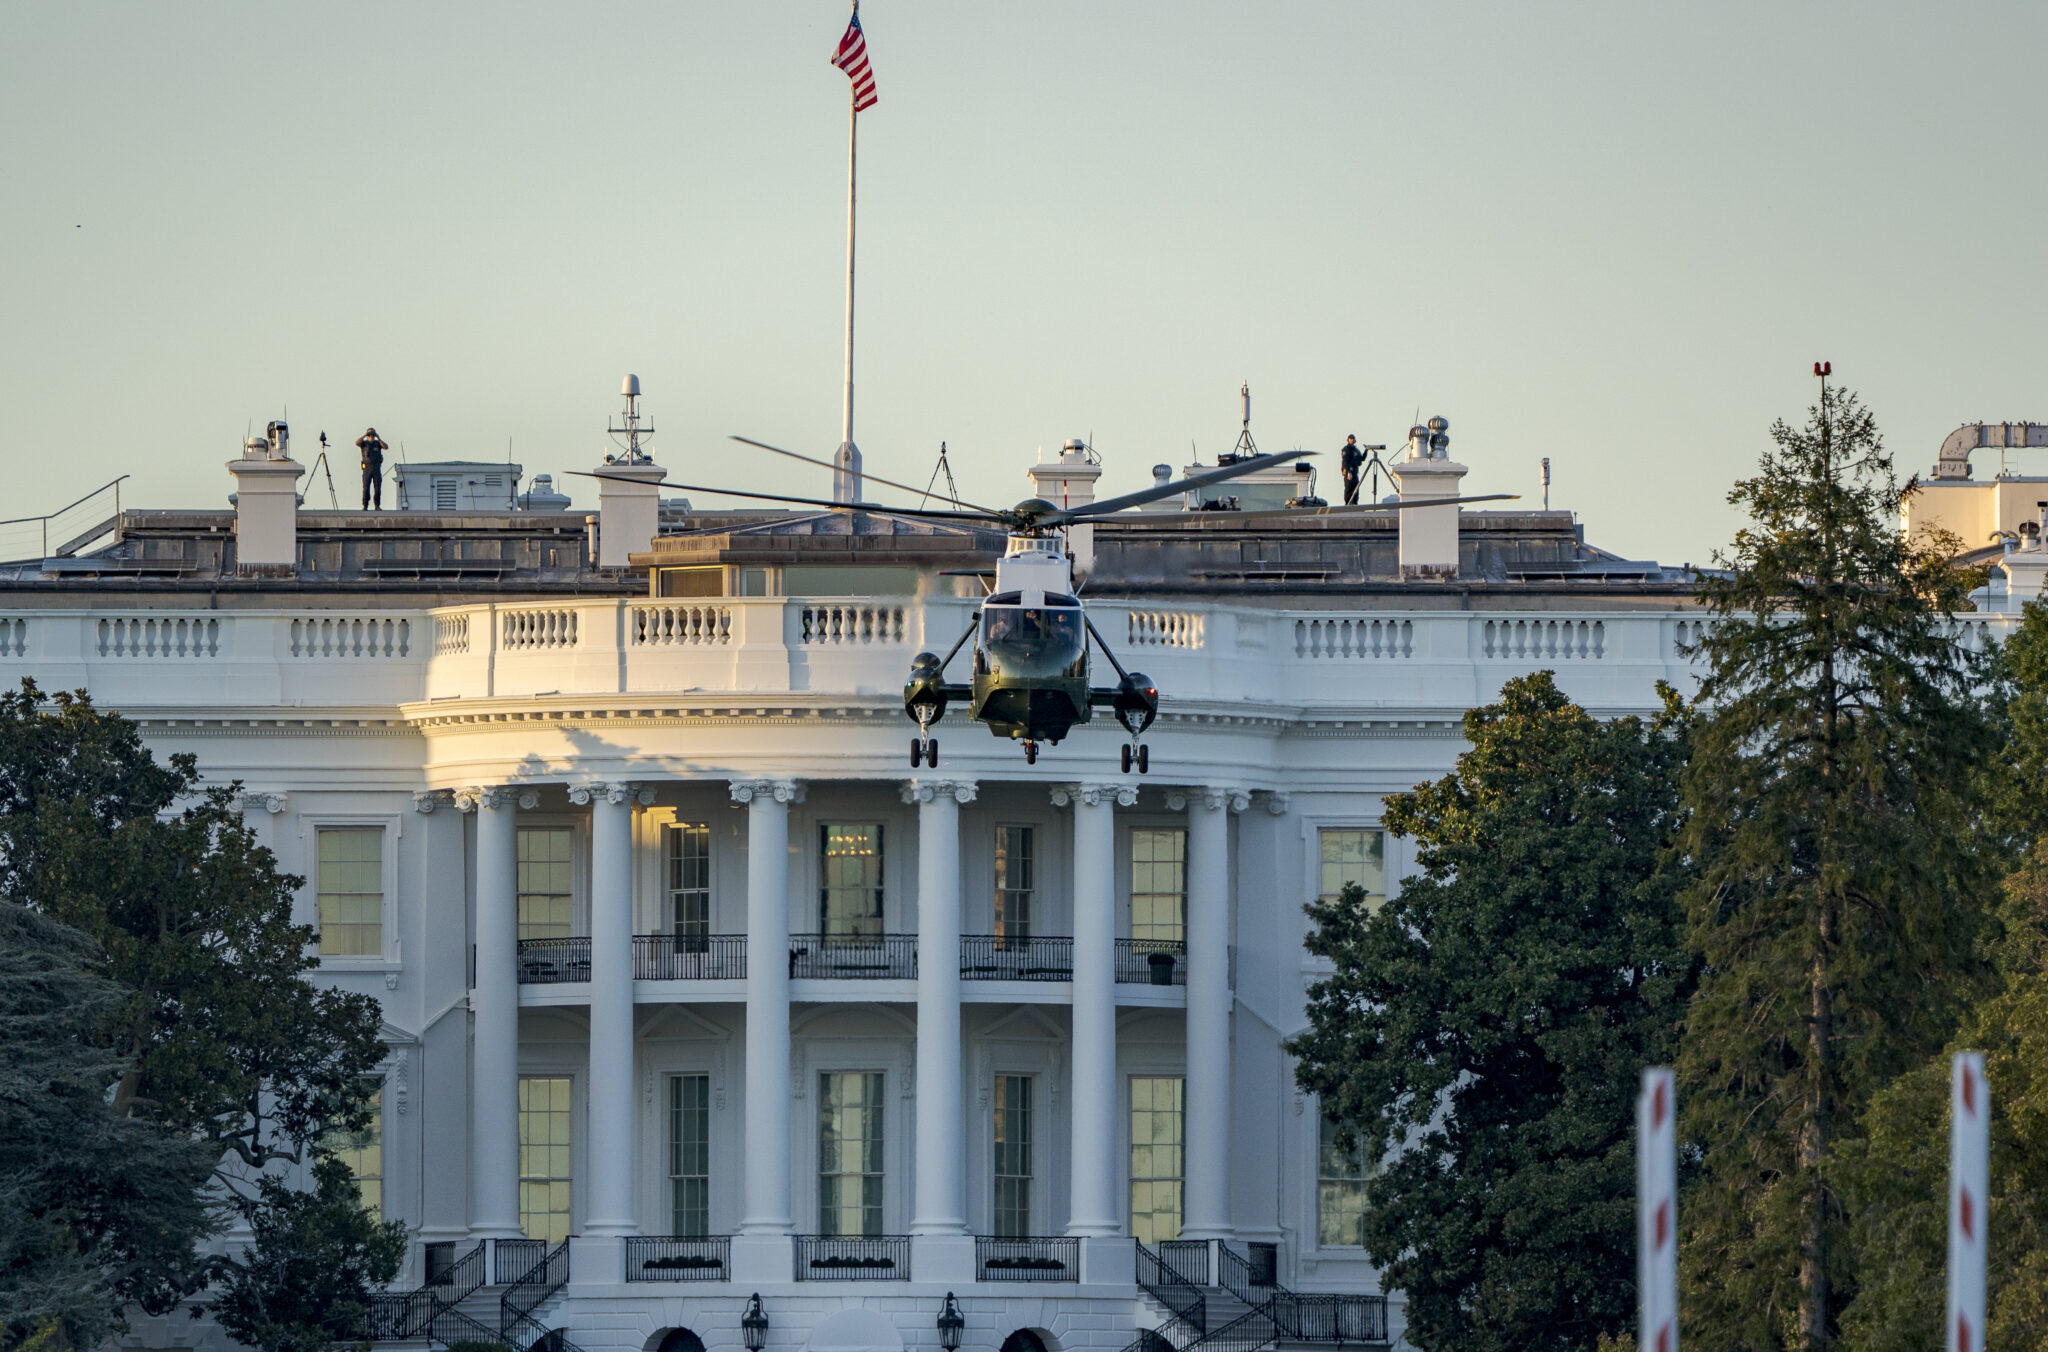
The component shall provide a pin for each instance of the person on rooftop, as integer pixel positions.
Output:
(373, 447)
(1351, 462)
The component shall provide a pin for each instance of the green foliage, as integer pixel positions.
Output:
(1486, 1027)
(90, 1203)
(305, 1282)
(1839, 875)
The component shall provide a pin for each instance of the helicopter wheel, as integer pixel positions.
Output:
(1144, 760)
(1127, 759)
(916, 752)
(931, 752)
(1031, 753)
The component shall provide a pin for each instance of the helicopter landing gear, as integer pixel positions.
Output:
(925, 750)
(1031, 753)
(1140, 756)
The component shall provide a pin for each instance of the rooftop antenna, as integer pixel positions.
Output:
(1245, 447)
(1546, 483)
(952, 489)
(632, 431)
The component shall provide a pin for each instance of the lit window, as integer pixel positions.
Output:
(544, 882)
(1156, 1149)
(1159, 884)
(544, 1170)
(689, 885)
(1013, 882)
(1340, 1190)
(1013, 1156)
(363, 1153)
(850, 901)
(850, 1153)
(351, 895)
(1354, 856)
(689, 1155)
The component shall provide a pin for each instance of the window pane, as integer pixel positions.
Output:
(350, 891)
(1156, 1141)
(544, 1169)
(1354, 856)
(545, 890)
(1159, 884)
(1340, 1189)
(689, 1155)
(689, 884)
(851, 866)
(363, 1153)
(1012, 1155)
(1013, 882)
(850, 1153)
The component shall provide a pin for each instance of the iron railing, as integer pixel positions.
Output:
(1251, 1279)
(1249, 1332)
(1188, 1259)
(403, 1314)
(702, 957)
(1330, 1319)
(525, 1294)
(1189, 1307)
(665, 1258)
(1053, 1258)
(848, 957)
(547, 960)
(1157, 962)
(826, 1258)
(514, 1258)
(1016, 957)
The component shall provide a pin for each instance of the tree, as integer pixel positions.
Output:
(1838, 876)
(87, 1200)
(222, 1037)
(1484, 1030)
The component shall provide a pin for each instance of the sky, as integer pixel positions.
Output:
(1616, 235)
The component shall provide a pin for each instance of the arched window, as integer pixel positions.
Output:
(681, 1340)
(1023, 1340)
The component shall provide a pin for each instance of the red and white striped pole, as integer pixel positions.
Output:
(1657, 1211)
(1969, 1178)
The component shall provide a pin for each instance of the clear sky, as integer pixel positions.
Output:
(1616, 235)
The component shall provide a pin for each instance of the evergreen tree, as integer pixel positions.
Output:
(1838, 876)
(1484, 1030)
(88, 1201)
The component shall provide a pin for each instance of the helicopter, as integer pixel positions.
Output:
(1030, 680)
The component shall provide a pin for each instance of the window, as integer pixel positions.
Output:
(850, 900)
(689, 886)
(1156, 1142)
(850, 1153)
(1013, 1156)
(1159, 884)
(1354, 856)
(691, 581)
(1013, 882)
(1340, 1190)
(363, 1153)
(689, 1155)
(351, 892)
(544, 886)
(544, 1157)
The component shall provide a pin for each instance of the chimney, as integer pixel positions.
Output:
(628, 489)
(1070, 482)
(1429, 535)
(267, 506)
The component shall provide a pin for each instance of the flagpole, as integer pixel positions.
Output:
(847, 482)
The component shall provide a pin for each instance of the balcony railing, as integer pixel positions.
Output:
(1012, 957)
(660, 1258)
(546, 960)
(836, 957)
(824, 1258)
(703, 957)
(1156, 962)
(1055, 1258)
(1330, 1319)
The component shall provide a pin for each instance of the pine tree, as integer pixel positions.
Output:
(1483, 1031)
(1838, 876)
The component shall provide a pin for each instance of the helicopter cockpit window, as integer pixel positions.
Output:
(1024, 641)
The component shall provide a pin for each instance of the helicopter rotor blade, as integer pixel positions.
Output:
(1158, 491)
(784, 497)
(886, 483)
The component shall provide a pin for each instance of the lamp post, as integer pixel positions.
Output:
(951, 1322)
(754, 1325)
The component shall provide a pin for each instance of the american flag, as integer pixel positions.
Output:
(852, 57)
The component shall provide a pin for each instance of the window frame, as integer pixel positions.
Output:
(1030, 1176)
(880, 886)
(669, 833)
(575, 1121)
(391, 949)
(1032, 893)
(381, 1208)
(1322, 829)
(1129, 869)
(880, 1101)
(537, 822)
(671, 1113)
(1318, 1180)
(1131, 1176)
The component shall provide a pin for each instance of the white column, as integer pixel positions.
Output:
(494, 1012)
(609, 1209)
(1095, 1207)
(940, 1200)
(1206, 1189)
(765, 1207)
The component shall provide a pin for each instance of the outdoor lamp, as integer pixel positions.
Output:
(754, 1325)
(951, 1321)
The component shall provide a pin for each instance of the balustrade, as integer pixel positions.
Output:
(700, 957)
(1155, 962)
(676, 624)
(828, 1258)
(664, 1258)
(824, 622)
(160, 636)
(1016, 957)
(343, 636)
(1053, 1258)
(879, 957)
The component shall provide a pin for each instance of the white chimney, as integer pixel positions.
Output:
(1070, 482)
(1429, 535)
(267, 506)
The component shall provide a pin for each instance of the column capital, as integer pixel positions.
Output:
(961, 791)
(1208, 796)
(484, 795)
(272, 801)
(1278, 801)
(1094, 795)
(425, 801)
(779, 790)
(616, 792)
